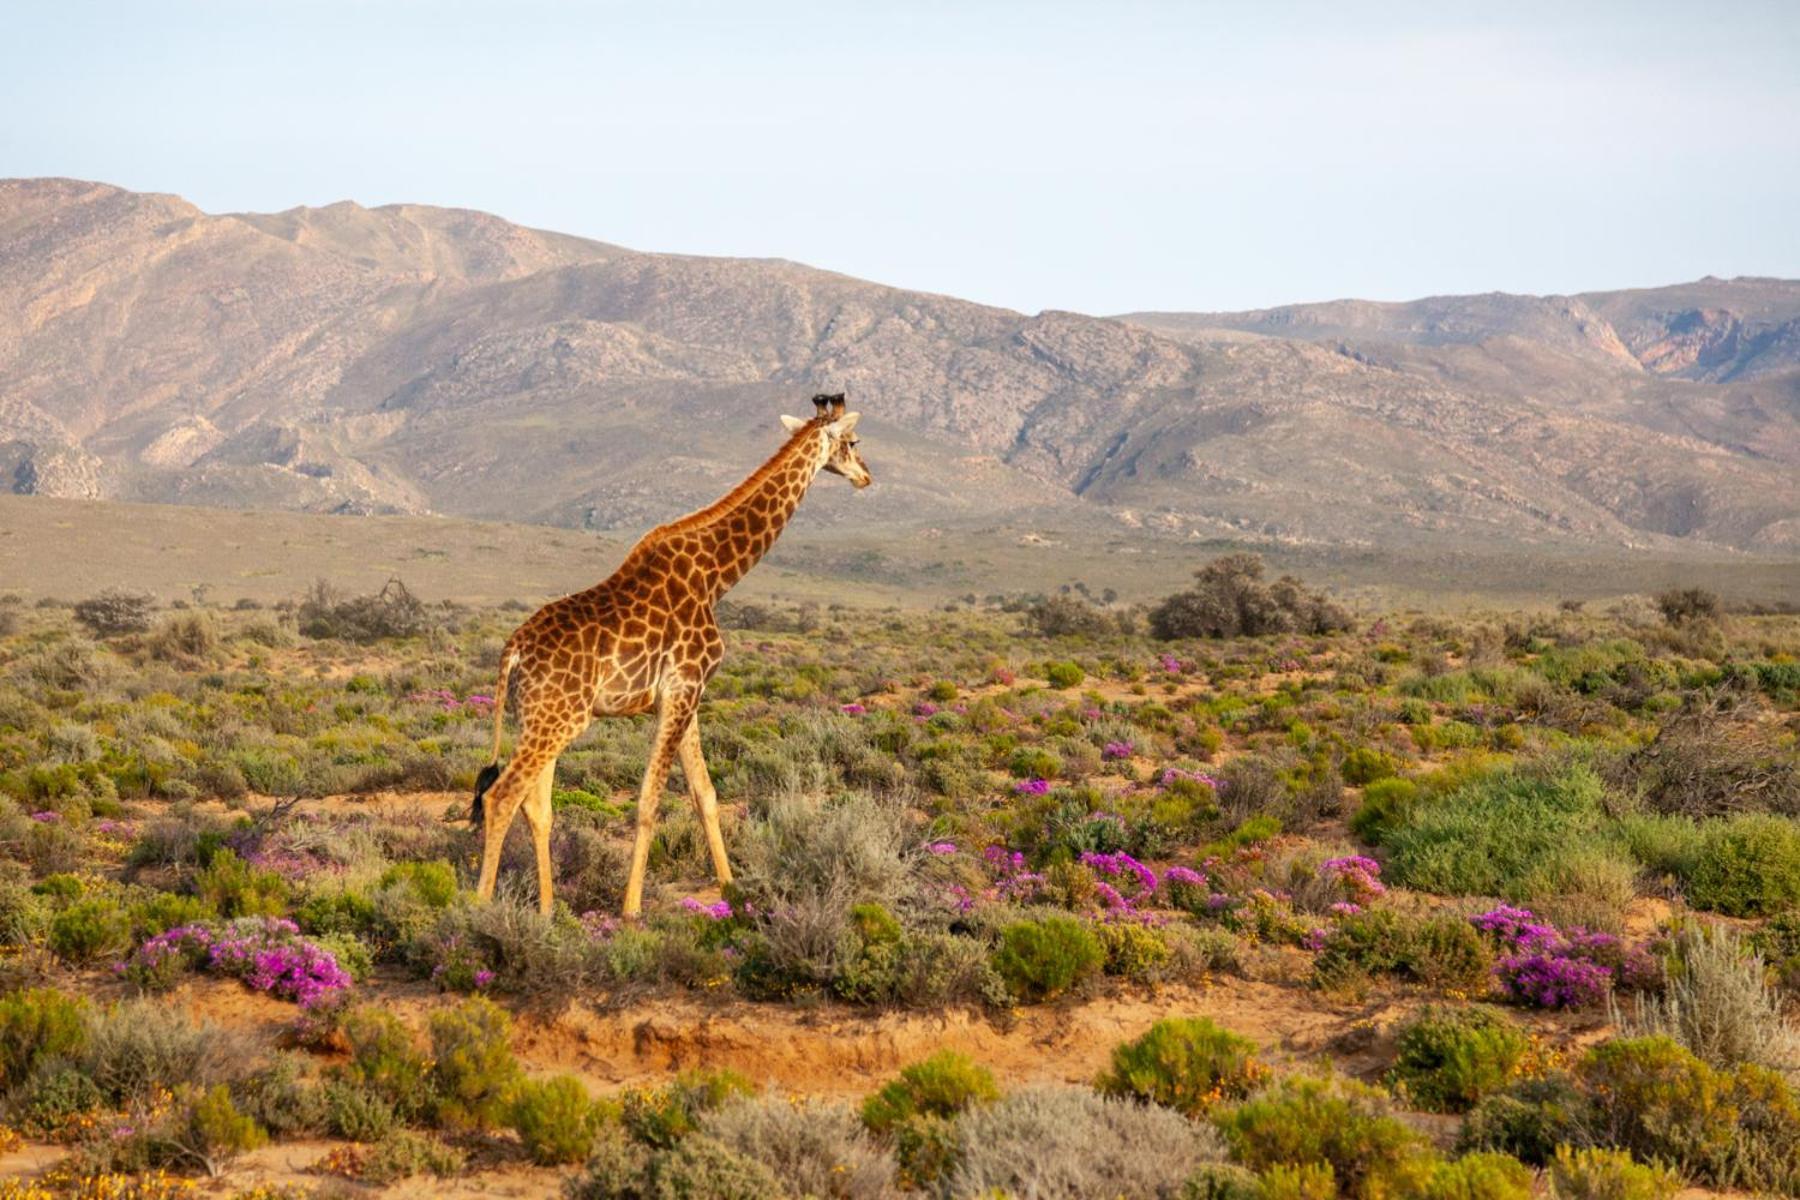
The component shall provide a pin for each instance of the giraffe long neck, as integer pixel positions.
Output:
(728, 537)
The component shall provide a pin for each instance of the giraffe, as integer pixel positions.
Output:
(645, 639)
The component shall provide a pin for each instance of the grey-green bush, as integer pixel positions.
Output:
(1071, 1144)
(816, 1148)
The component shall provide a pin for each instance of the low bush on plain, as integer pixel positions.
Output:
(1448, 1059)
(1041, 959)
(1184, 1063)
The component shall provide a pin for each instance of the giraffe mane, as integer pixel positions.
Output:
(748, 487)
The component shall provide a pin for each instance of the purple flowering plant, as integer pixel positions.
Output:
(1548, 967)
(1358, 875)
(718, 910)
(266, 953)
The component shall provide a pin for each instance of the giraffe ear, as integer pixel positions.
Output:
(843, 425)
(793, 424)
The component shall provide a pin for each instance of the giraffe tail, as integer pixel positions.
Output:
(491, 772)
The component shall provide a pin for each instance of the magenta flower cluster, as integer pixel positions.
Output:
(1553, 968)
(718, 910)
(1013, 878)
(267, 954)
(1357, 874)
(1140, 881)
(1114, 751)
(1032, 787)
(1516, 927)
(1173, 775)
(599, 925)
(852, 710)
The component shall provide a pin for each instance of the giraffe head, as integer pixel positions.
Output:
(839, 427)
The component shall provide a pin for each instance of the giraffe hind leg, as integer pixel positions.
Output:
(537, 815)
(499, 803)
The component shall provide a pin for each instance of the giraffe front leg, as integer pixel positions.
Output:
(706, 799)
(676, 710)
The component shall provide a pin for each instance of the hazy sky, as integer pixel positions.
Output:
(1098, 157)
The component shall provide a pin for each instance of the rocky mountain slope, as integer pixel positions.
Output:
(417, 360)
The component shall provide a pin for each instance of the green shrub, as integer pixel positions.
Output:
(1365, 765)
(1064, 674)
(925, 1150)
(1660, 1100)
(1449, 1058)
(1386, 803)
(1222, 1181)
(51, 1099)
(385, 1061)
(943, 1085)
(1185, 1063)
(282, 1100)
(1518, 835)
(347, 911)
(1608, 1175)
(1371, 942)
(401, 1154)
(1305, 1119)
(351, 953)
(1727, 1129)
(356, 1112)
(869, 967)
(663, 1117)
(1042, 959)
(210, 1132)
(1449, 954)
(1030, 762)
(89, 929)
(472, 1069)
(433, 883)
(236, 889)
(1478, 1177)
(1530, 1119)
(1136, 952)
(1261, 827)
(35, 1025)
(1748, 866)
(1299, 1181)
(555, 1119)
(24, 915)
(166, 910)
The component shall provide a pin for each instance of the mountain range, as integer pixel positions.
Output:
(417, 360)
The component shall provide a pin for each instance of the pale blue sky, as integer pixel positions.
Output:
(1098, 157)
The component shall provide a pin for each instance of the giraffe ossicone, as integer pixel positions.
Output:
(644, 639)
